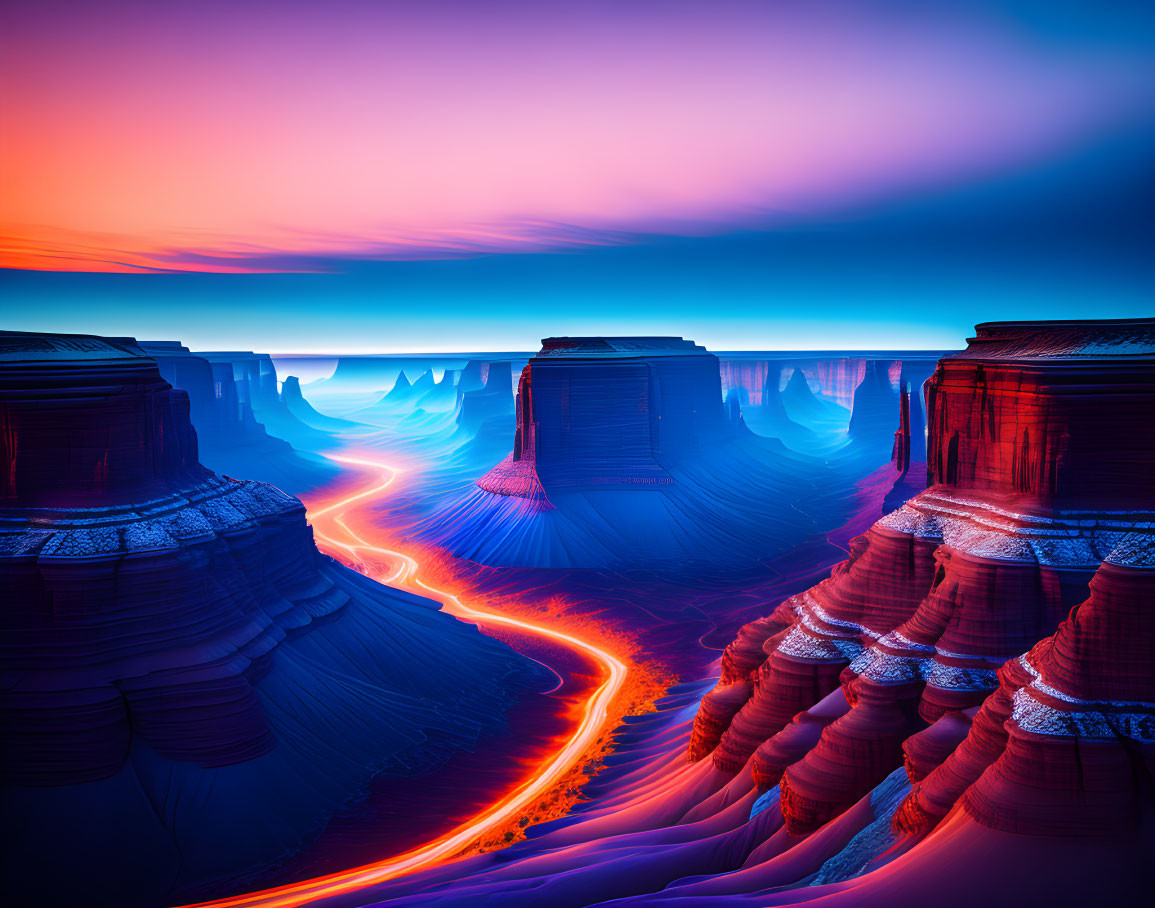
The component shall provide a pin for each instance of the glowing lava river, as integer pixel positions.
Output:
(342, 526)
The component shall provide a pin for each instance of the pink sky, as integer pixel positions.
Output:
(145, 135)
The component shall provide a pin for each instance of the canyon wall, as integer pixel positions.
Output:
(188, 688)
(243, 426)
(624, 453)
(607, 413)
(962, 712)
(1025, 414)
(1040, 473)
(811, 403)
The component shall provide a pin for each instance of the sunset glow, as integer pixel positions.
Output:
(254, 137)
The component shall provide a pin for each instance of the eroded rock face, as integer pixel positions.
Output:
(605, 413)
(89, 587)
(243, 425)
(89, 421)
(917, 662)
(1041, 475)
(171, 637)
(866, 596)
(1066, 746)
(1048, 417)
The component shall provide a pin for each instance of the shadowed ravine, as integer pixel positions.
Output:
(342, 528)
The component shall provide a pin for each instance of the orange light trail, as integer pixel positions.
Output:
(444, 848)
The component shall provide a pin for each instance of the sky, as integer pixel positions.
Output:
(356, 176)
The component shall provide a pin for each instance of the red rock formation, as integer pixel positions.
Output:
(1045, 791)
(796, 740)
(1024, 412)
(867, 595)
(740, 661)
(516, 476)
(980, 612)
(925, 751)
(852, 756)
(991, 558)
(1066, 747)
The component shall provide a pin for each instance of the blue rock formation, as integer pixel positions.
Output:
(875, 403)
(188, 688)
(624, 453)
(306, 413)
(243, 426)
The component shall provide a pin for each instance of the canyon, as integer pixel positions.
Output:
(971, 687)
(624, 455)
(837, 628)
(191, 689)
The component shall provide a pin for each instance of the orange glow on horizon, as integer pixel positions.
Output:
(243, 135)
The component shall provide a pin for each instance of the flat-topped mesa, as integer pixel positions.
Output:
(1054, 414)
(88, 420)
(170, 636)
(606, 413)
(1000, 548)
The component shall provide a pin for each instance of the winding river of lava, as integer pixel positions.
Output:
(343, 526)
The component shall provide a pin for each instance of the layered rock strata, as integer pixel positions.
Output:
(1053, 751)
(173, 638)
(933, 728)
(244, 427)
(995, 554)
(624, 454)
(604, 413)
